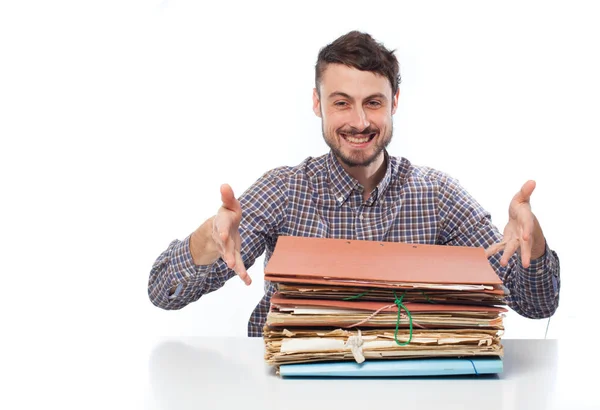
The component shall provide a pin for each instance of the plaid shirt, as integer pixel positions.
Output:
(317, 198)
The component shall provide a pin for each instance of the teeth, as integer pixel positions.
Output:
(355, 140)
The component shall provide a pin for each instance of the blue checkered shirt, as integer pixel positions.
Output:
(317, 198)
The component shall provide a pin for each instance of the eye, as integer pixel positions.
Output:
(340, 103)
(374, 104)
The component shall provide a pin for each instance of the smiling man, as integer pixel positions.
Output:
(356, 191)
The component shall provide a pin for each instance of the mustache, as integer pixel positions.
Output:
(355, 131)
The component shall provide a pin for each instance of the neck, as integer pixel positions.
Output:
(368, 176)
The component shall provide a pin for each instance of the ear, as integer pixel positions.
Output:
(395, 101)
(316, 103)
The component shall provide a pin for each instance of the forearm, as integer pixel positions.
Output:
(175, 280)
(534, 291)
(538, 248)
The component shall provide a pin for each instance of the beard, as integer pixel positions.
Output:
(358, 158)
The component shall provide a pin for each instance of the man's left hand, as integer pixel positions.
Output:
(522, 233)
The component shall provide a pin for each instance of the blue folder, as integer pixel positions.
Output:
(394, 368)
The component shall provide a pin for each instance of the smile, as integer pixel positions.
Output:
(358, 138)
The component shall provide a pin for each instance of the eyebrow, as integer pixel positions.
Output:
(344, 95)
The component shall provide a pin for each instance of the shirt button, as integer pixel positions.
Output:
(361, 217)
(341, 199)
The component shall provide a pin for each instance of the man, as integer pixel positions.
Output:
(356, 191)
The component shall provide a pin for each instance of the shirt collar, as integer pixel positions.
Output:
(391, 166)
(342, 184)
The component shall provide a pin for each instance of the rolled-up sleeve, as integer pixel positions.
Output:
(175, 281)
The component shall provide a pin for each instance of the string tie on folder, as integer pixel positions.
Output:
(372, 315)
(401, 306)
(355, 344)
(474, 368)
(427, 297)
(398, 303)
(356, 296)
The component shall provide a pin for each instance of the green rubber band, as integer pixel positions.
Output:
(356, 296)
(427, 297)
(401, 306)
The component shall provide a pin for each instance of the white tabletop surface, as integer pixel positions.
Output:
(211, 373)
(219, 373)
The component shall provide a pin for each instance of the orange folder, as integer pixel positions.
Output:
(378, 264)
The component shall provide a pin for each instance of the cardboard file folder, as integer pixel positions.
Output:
(380, 264)
(335, 292)
(395, 368)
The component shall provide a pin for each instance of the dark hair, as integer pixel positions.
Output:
(360, 51)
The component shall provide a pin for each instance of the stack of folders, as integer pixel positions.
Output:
(365, 308)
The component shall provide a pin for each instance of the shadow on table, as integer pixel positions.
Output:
(183, 376)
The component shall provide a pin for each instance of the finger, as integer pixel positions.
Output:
(527, 227)
(511, 247)
(526, 253)
(526, 190)
(228, 199)
(219, 244)
(240, 269)
(229, 254)
(220, 233)
(526, 242)
(225, 243)
(494, 248)
(223, 240)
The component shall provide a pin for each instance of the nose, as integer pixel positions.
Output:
(359, 119)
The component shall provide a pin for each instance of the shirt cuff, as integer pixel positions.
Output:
(184, 262)
(540, 265)
(546, 266)
(184, 268)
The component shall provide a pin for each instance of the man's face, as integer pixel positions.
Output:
(356, 109)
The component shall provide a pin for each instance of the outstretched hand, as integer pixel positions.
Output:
(226, 234)
(522, 233)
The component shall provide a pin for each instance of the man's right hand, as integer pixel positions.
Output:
(224, 236)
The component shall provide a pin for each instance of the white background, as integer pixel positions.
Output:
(119, 120)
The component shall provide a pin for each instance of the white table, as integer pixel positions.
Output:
(205, 373)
